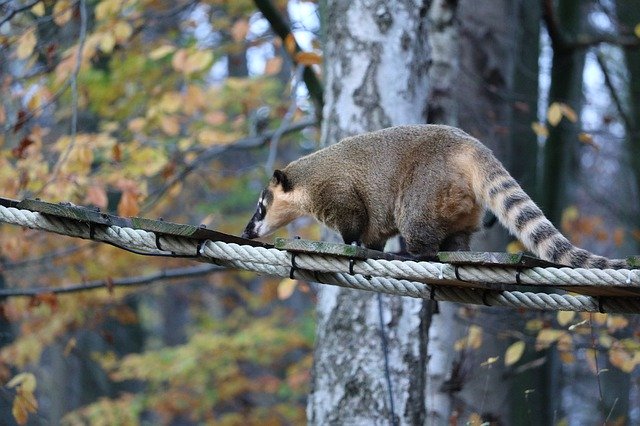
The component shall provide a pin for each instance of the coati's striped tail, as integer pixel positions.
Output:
(524, 219)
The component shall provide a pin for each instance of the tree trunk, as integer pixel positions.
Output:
(376, 76)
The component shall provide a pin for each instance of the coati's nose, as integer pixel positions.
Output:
(249, 232)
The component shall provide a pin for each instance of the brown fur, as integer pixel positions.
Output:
(428, 183)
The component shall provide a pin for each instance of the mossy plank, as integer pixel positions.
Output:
(634, 262)
(334, 249)
(71, 211)
(492, 259)
(191, 231)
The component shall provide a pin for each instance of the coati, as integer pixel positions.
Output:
(428, 183)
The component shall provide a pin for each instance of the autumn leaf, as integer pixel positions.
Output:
(546, 337)
(513, 353)
(554, 113)
(128, 205)
(97, 196)
(286, 288)
(161, 52)
(636, 30)
(540, 129)
(26, 43)
(122, 31)
(308, 58)
(587, 139)
(38, 9)
(515, 247)
(568, 112)
(25, 402)
(273, 65)
(290, 44)
(565, 317)
(62, 12)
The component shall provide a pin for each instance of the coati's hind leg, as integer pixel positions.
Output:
(456, 242)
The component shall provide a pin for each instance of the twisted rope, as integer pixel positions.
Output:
(405, 278)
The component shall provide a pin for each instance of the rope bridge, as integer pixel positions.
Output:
(491, 279)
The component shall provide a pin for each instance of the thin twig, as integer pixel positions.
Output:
(612, 91)
(192, 271)
(286, 120)
(14, 12)
(74, 93)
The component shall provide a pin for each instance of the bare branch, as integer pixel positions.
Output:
(286, 120)
(612, 91)
(13, 12)
(74, 93)
(165, 274)
(208, 154)
(562, 42)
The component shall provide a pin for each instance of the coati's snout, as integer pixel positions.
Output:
(276, 207)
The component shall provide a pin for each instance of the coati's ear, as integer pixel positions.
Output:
(281, 178)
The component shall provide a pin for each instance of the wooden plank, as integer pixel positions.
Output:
(474, 258)
(191, 231)
(8, 202)
(633, 262)
(71, 211)
(298, 245)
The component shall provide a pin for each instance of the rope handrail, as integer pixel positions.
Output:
(481, 285)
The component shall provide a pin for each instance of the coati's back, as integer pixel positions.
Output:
(430, 183)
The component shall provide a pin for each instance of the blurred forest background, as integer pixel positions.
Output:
(182, 109)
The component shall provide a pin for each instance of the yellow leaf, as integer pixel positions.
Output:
(599, 318)
(546, 337)
(107, 42)
(616, 322)
(565, 317)
(170, 102)
(554, 113)
(38, 9)
(475, 336)
(26, 43)
(540, 129)
(97, 196)
(198, 61)
(107, 8)
(24, 381)
(122, 30)
(193, 100)
(286, 288)
(636, 30)
(514, 353)
(161, 52)
(62, 12)
(308, 58)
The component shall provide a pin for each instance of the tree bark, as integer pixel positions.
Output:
(376, 76)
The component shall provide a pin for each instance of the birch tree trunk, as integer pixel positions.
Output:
(376, 76)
